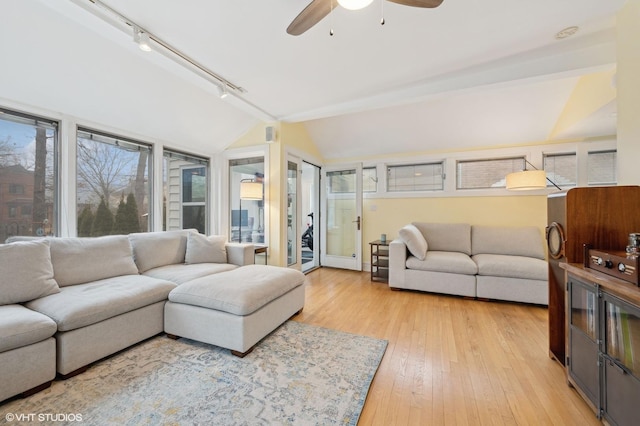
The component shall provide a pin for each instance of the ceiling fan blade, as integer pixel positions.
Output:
(419, 3)
(311, 15)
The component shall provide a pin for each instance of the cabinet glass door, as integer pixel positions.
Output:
(621, 361)
(584, 309)
(582, 364)
(622, 334)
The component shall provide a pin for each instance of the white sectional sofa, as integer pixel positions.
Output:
(67, 302)
(503, 263)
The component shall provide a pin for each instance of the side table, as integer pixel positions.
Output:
(260, 249)
(379, 260)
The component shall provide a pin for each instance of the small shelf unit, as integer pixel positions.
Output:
(379, 260)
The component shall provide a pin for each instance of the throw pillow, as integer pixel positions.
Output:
(27, 272)
(415, 241)
(203, 249)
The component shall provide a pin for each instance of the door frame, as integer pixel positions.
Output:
(343, 262)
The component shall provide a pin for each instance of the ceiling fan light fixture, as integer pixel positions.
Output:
(354, 4)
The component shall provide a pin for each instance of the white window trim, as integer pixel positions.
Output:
(533, 154)
(223, 221)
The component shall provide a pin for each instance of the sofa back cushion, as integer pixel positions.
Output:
(414, 240)
(82, 260)
(206, 249)
(26, 272)
(155, 249)
(514, 241)
(446, 236)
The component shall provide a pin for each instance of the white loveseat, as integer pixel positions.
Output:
(503, 263)
(67, 302)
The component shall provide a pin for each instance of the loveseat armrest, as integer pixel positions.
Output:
(240, 254)
(397, 262)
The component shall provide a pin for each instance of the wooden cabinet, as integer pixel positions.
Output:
(379, 260)
(600, 216)
(603, 343)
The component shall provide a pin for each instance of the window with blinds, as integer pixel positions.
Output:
(489, 173)
(416, 177)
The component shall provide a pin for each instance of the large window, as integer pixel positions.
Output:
(113, 184)
(28, 168)
(247, 214)
(416, 177)
(490, 173)
(186, 189)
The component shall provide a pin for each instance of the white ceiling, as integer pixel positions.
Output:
(470, 73)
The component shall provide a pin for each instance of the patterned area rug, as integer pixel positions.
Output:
(298, 375)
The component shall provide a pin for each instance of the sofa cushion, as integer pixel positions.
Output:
(241, 291)
(85, 304)
(20, 327)
(182, 273)
(500, 265)
(203, 249)
(27, 272)
(82, 260)
(154, 249)
(414, 241)
(444, 261)
(515, 241)
(446, 236)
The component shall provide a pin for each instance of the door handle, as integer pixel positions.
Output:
(358, 222)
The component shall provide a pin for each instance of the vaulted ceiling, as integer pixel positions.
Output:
(468, 74)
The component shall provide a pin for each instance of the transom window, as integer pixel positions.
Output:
(416, 177)
(561, 169)
(602, 168)
(489, 173)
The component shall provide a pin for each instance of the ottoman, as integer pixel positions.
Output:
(234, 309)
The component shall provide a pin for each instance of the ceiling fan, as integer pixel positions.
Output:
(318, 9)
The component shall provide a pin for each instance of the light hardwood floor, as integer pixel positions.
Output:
(450, 360)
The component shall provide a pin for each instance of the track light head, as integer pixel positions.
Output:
(223, 91)
(142, 39)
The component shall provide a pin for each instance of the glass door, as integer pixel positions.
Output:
(342, 207)
(310, 216)
(292, 213)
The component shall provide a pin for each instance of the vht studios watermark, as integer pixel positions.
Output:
(43, 417)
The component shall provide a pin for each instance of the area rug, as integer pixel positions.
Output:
(298, 375)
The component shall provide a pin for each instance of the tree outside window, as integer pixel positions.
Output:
(28, 184)
(112, 184)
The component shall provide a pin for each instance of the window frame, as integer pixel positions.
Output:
(615, 167)
(553, 179)
(514, 159)
(51, 226)
(117, 139)
(438, 163)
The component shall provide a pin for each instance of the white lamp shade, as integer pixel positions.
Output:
(251, 190)
(354, 4)
(527, 180)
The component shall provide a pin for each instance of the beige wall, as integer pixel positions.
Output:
(628, 84)
(287, 135)
(385, 215)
